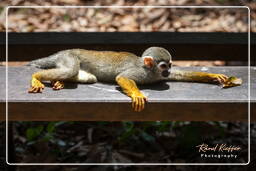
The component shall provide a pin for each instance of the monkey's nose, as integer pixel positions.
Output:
(165, 73)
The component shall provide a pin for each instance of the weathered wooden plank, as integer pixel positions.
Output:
(79, 111)
(19, 80)
(167, 101)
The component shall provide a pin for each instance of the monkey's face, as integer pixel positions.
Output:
(158, 60)
(164, 67)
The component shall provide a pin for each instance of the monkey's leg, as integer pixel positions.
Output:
(67, 67)
(205, 77)
(53, 75)
(130, 89)
(82, 77)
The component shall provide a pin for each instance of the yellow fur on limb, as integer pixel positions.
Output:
(130, 89)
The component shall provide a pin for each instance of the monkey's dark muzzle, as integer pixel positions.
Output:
(165, 73)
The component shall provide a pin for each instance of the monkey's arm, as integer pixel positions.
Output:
(178, 75)
(130, 89)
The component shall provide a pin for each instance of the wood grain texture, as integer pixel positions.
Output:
(123, 112)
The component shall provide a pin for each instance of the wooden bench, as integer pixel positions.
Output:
(167, 101)
(173, 101)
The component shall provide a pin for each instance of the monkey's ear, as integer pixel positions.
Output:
(148, 61)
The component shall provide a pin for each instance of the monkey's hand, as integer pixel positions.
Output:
(138, 101)
(232, 82)
(220, 78)
(36, 86)
(226, 81)
(130, 89)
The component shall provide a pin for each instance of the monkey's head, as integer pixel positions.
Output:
(159, 59)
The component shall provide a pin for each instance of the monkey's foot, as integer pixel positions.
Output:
(57, 85)
(138, 102)
(226, 81)
(232, 82)
(36, 86)
(220, 78)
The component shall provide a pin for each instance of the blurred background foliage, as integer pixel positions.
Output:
(131, 19)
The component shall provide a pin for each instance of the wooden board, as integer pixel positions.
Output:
(103, 102)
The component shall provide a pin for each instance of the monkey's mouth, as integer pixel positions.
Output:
(165, 73)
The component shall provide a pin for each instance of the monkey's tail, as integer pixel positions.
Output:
(43, 63)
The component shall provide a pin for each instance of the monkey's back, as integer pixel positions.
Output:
(105, 65)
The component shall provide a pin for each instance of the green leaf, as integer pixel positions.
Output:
(47, 137)
(31, 134)
(51, 127)
(126, 134)
(39, 130)
(128, 125)
(147, 137)
(164, 126)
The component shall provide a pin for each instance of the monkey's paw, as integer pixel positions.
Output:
(57, 85)
(36, 86)
(138, 102)
(226, 81)
(232, 82)
(220, 78)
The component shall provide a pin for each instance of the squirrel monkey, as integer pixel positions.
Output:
(127, 69)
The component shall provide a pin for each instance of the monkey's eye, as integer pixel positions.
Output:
(163, 66)
(170, 65)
